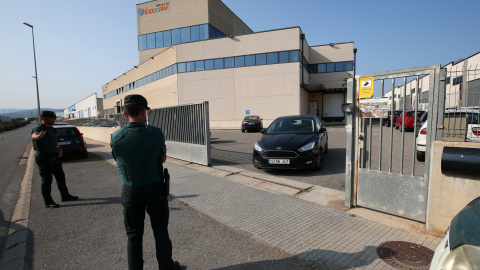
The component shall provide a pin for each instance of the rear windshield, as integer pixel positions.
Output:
(66, 132)
(291, 126)
(252, 118)
(412, 114)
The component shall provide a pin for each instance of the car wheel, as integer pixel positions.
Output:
(388, 123)
(396, 127)
(84, 154)
(420, 156)
(326, 148)
(319, 161)
(243, 130)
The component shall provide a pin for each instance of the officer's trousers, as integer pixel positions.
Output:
(50, 166)
(135, 202)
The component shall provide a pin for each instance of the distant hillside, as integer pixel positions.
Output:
(22, 113)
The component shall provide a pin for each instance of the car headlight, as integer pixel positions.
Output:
(257, 147)
(307, 147)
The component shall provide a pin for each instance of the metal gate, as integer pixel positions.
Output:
(383, 172)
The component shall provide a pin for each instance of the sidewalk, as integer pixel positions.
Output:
(273, 213)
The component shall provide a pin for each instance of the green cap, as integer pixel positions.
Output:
(136, 100)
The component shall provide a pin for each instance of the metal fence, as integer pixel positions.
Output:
(118, 120)
(462, 106)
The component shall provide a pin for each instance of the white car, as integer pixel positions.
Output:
(422, 142)
(460, 249)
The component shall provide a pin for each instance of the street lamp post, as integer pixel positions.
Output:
(36, 76)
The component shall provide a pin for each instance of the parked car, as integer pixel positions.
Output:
(473, 120)
(388, 121)
(409, 119)
(460, 248)
(292, 142)
(252, 122)
(71, 140)
(422, 142)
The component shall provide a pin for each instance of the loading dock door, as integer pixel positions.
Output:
(332, 107)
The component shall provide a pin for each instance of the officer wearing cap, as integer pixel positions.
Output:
(140, 150)
(44, 138)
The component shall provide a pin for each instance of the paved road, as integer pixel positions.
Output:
(12, 146)
(234, 148)
(89, 233)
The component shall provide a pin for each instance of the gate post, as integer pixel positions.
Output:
(350, 109)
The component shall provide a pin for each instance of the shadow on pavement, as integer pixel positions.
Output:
(14, 250)
(315, 259)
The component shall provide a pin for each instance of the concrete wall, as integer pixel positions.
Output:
(99, 134)
(447, 194)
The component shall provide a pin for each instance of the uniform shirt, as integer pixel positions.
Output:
(138, 149)
(47, 144)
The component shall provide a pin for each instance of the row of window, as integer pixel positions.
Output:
(412, 91)
(176, 36)
(211, 64)
(330, 67)
(221, 63)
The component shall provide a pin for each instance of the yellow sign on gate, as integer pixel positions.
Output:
(365, 88)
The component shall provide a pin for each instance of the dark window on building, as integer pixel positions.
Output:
(412, 91)
(250, 60)
(203, 31)
(283, 57)
(185, 33)
(190, 66)
(176, 36)
(200, 65)
(240, 61)
(294, 56)
(261, 59)
(218, 63)
(159, 39)
(229, 62)
(151, 41)
(322, 68)
(339, 66)
(167, 39)
(142, 42)
(209, 64)
(447, 81)
(195, 33)
(330, 67)
(272, 58)
(349, 66)
(182, 67)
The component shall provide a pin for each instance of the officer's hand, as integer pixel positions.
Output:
(39, 135)
(60, 152)
(164, 158)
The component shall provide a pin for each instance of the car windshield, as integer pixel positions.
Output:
(66, 132)
(251, 118)
(397, 113)
(291, 126)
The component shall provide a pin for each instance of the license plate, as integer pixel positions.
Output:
(251, 124)
(279, 161)
(64, 143)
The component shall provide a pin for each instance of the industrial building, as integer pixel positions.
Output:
(193, 51)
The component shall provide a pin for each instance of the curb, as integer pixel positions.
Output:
(16, 243)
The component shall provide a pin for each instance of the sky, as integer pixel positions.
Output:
(82, 45)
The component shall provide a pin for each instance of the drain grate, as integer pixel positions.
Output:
(405, 255)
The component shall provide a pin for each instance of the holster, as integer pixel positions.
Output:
(166, 182)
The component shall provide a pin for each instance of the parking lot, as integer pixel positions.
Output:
(234, 148)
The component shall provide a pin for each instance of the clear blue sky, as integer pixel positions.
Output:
(82, 45)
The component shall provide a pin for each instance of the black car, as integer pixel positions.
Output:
(71, 140)
(252, 122)
(292, 142)
(388, 121)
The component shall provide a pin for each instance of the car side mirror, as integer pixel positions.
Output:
(262, 131)
(323, 129)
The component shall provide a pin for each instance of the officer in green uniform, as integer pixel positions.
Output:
(48, 151)
(140, 150)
